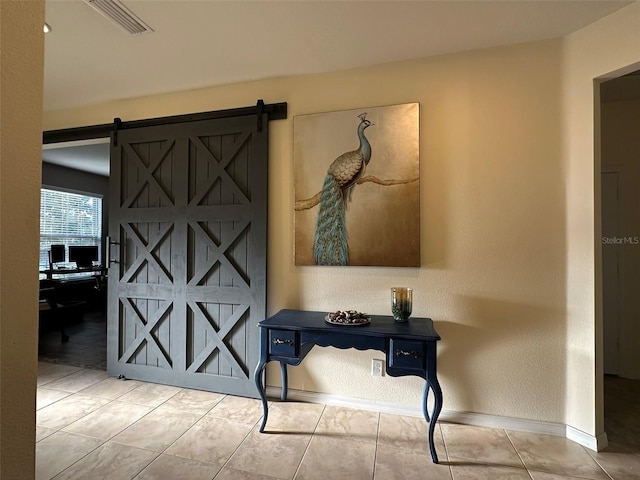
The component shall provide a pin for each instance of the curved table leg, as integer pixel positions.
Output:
(283, 373)
(425, 396)
(437, 407)
(261, 391)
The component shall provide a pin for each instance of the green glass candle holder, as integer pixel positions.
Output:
(401, 303)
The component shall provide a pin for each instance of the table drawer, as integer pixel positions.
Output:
(406, 354)
(283, 343)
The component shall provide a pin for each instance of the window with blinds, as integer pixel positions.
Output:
(70, 219)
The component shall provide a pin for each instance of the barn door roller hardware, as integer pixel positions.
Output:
(116, 126)
(274, 111)
(259, 112)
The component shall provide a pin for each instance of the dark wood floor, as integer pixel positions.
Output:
(622, 414)
(87, 345)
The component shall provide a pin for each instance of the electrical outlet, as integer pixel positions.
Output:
(376, 368)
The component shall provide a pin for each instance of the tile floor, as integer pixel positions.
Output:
(92, 426)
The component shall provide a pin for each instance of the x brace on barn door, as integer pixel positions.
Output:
(188, 215)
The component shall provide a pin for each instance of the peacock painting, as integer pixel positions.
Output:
(330, 243)
(356, 183)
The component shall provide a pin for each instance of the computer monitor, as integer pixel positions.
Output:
(83, 255)
(57, 253)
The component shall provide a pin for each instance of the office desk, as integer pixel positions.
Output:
(409, 348)
(67, 271)
(49, 306)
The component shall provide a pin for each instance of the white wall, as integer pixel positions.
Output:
(21, 73)
(603, 49)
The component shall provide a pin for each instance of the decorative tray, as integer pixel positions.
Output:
(347, 318)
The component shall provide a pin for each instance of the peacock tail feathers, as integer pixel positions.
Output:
(330, 246)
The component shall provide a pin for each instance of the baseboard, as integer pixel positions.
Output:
(451, 416)
(596, 444)
(338, 401)
(505, 423)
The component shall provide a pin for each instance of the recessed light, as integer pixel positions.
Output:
(46, 28)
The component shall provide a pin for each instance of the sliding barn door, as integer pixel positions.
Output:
(188, 230)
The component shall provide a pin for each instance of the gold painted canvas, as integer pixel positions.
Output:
(357, 187)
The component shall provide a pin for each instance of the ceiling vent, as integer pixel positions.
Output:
(120, 15)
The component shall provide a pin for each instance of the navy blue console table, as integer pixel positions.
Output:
(410, 349)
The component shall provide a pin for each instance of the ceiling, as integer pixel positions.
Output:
(89, 156)
(203, 43)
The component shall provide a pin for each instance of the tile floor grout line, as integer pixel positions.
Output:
(226, 462)
(57, 390)
(153, 409)
(96, 410)
(124, 380)
(597, 462)
(255, 424)
(56, 379)
(526, 468)
(147, 465)
(225, 395)
(77, 419)
(324, 408)
(49, 387)
(79, 459)
(446, 450)
(187, 430)
(161, 404)
(50, 404)
(375, 453)
(164, 452)
(550, 472)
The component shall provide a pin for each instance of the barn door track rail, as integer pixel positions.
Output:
(274, 111)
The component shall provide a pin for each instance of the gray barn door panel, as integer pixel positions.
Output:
(188, 218)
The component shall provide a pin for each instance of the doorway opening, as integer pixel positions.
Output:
(74, 218)
(619, 177)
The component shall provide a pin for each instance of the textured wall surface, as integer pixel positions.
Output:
(21, 72)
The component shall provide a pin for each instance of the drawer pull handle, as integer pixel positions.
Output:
(405, 353)
(277, 341)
